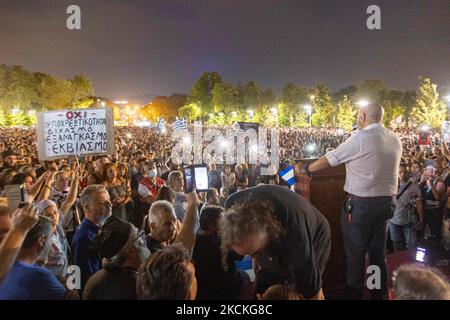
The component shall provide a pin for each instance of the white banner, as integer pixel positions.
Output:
(75, 133)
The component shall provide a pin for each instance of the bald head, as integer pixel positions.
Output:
(372, 113)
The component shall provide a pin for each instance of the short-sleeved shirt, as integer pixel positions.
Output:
(28, 282)
(227, 178)
(301, 256)
(371, 158)
(402, 217)
(57, 257)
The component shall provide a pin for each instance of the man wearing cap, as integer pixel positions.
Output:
(123, 250)
(9, 160)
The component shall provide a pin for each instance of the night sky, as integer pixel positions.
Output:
(132, 47)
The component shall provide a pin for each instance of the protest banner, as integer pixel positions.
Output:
(65, 133)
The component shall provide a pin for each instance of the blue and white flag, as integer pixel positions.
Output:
(179, 125)
(287, 174)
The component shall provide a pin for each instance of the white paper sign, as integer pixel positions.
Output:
(75, 133)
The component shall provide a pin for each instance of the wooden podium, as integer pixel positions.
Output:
(325, 191)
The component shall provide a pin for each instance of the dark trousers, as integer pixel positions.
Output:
(433, 218)
(365, 233)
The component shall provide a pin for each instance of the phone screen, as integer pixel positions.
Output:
(188, 183)
(201, 178)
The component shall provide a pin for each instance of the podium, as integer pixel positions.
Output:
(325, 191)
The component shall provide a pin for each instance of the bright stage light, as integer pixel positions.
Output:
(308, 108)
(362, 103)
(187, 140)
(311, 147)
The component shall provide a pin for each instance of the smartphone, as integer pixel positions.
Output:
(196, 176)
(188, 179)
(23, 196)
(201, 178)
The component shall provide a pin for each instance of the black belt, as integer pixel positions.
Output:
(366, 198)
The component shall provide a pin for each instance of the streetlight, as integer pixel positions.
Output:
(234, 113)
(362, 103)
(251, 113)
(274, 111)
(308, 109)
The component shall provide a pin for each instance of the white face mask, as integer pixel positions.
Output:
(151, 173)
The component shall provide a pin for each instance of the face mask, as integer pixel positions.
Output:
(151, 173)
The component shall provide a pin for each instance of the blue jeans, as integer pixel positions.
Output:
(405, 233)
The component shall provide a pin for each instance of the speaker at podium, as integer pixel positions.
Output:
(325, 190)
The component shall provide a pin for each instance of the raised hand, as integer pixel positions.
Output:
(25, 218)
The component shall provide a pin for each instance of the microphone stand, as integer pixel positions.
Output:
(411, 204)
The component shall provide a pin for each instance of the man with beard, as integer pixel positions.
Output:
(9, 160)
(97, 208)
(124, 249)
(25, 280)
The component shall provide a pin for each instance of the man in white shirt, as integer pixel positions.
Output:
(372, 157)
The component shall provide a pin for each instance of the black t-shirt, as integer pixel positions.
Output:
(165, 175)
(154, 245)
(301, 257)
(119, 284)
(214, 283)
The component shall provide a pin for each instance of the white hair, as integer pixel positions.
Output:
(156, 209)
(86, 194)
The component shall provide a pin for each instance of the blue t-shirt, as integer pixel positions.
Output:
(28, 282)
(84, 254)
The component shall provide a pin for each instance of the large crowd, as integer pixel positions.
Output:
(125, 221)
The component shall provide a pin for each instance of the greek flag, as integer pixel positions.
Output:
(179, 125)
(287, 174)
(161, 126)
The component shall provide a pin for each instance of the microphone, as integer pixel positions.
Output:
(354, 128)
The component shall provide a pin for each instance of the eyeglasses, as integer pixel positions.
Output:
(142, 235)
